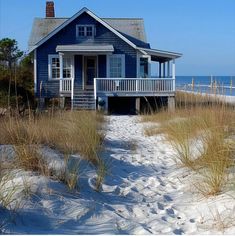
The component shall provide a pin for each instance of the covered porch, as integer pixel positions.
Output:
(144, 85)
(85, 70)
(97, 89)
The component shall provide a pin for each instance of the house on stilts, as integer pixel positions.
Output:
(99, 63)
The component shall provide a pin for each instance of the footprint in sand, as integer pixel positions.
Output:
(160, 206)
(160, 181)
(170, 212)
(163, 152)
(167, 198)
(178, 231)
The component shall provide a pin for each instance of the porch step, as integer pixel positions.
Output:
(84, 100)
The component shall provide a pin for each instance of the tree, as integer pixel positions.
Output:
(9, 54)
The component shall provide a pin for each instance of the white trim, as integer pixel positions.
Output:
(122, 56)
(168, 69)
(35, 70)
(80, 49)
(50, 56)
(61, 57)
(173, 74)
(83, 73)
(160, 53)
(73, 78)
(43, 40)
(72, 67)
(61, 66)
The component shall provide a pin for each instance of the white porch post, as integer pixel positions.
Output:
(164, 69)
(61, 69)
(95, 94)
(35, 70)
(173, 73)
(149, 66)
(72, 92)
(168, 69)
(160, 70)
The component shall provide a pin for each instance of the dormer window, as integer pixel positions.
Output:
(81, 31)
(85, 31)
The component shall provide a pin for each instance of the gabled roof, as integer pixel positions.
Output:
(133, 27)
(42, 27)
(45, 28)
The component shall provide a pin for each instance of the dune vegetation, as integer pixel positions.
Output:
(202, 133)
(69, 133)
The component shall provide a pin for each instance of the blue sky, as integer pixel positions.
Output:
(203, 30)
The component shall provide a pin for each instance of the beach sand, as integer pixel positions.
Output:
(145, 192)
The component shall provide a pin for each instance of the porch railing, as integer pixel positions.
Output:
(65, 85)
(135, 85)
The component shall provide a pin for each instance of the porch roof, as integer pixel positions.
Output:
(159, 55)
(79, 48)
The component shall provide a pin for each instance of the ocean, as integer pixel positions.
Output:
(203, 84)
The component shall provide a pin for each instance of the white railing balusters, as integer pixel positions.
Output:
(134, 85)
(66, 85)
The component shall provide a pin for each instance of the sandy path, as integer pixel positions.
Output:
(143, 167)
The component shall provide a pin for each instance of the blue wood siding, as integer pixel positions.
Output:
(78, 65)
(102, 66)
(68, 36)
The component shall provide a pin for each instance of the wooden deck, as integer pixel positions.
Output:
(105, 88)
(133, 87)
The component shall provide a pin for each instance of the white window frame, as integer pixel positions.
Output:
(70, 67)
(85, 31)
(50, 56)
(123, 68)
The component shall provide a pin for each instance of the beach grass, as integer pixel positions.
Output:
(77, 132)
(201, 131)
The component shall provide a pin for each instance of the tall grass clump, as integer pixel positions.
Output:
(201, 131)
(216, 160)
(77, 132)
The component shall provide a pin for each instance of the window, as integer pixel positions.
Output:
(81, 31)
(54, 67)
(143, 67)
(116, 66)
(67, 68)
(89, 31)
(85, 31)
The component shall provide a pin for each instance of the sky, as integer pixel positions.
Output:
(202, 30)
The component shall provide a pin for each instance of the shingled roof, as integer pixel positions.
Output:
(131, 28)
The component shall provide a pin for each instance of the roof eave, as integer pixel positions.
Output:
(160, 53)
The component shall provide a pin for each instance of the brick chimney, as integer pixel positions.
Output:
(50, 12)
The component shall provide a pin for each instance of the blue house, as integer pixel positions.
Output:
(96, 62)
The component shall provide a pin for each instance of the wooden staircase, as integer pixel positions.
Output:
(84, 100)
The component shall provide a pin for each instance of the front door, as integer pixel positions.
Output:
(90, 71)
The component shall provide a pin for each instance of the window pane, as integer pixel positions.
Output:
(143, 67)
(81, 31)
(67, 67)
(55, 68)
(89, 31)
(115, 67)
